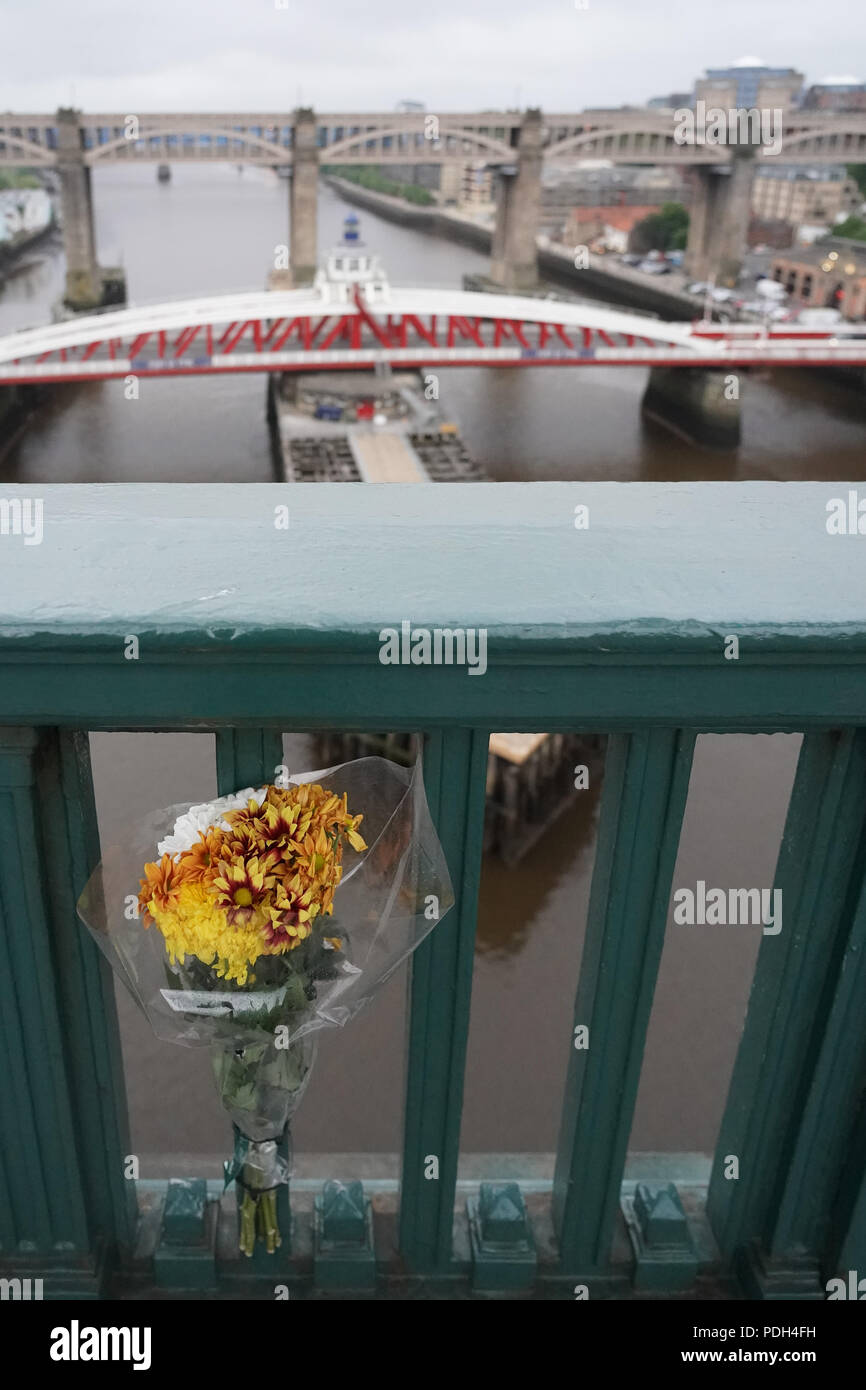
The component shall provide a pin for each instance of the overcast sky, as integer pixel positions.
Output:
(187, 55)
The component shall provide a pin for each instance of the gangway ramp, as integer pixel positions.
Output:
(386, 458)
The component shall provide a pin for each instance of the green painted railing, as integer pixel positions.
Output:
(248, 626)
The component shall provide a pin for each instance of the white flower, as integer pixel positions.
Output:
(198, 818)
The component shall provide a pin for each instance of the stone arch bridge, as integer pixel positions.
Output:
(517, 145)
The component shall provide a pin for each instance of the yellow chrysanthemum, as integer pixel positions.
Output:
(194, 926)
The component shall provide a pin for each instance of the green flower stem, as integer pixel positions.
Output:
(247, 1242)
(259, 1219)
(268, 1226)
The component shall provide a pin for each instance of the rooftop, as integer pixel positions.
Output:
(819, 251)
(623, 218)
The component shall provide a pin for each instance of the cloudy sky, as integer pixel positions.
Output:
(187, 55)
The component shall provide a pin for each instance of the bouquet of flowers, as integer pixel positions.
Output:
(263, 917)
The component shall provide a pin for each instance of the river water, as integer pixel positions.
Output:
(215, 229)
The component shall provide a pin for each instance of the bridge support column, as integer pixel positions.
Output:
(719, 221)
(695, 402)
(88, 286)
(303, 248)
(514, 260)
(17, 404)
(83, 288)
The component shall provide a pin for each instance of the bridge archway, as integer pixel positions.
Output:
(840, 146)
(31, 153)
(486, 146)
(271, 153)
(615, 141)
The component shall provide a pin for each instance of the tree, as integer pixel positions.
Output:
(665, 230)
(857, 172)
(18, 178)
(853, 227)
(369, 177)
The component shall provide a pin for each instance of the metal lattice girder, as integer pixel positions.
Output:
(294, 330)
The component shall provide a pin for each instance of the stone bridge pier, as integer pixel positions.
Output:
(83, 290)
(303, 250)
(514, 260)
(719, 220)
(87, 286)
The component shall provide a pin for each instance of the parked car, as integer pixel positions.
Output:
(654, 267)
(771, 289)
(698, 287)
(631, 259)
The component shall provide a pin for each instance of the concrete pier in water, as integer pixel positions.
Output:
(514, 262)
(303, 250)
(87, 285)
(696, 402)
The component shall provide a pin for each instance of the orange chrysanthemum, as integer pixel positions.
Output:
(202, 861)
(161, 885)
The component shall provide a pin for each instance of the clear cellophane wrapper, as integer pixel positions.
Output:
(262, 1035)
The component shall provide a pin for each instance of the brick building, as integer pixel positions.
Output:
(608, 228)
(829, 274)
(803, 195)
(836, 94)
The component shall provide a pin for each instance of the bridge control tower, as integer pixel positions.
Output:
(350, 265)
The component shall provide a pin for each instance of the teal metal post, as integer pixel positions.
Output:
(246, 758)
(646, 780)
(249, 758)
(455, 767)
(847, 1250)
(830, 1134)
(63, 1135)
(771, 1125)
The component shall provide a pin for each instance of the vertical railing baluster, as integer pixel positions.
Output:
(246, 758)
(455, 767)
(819, 872)
(646, 779)
(249, 758)
(25, 1113)
(847, 1247)
(8, 1239)
(63, 1131)
(86, 985)
(831, 1131)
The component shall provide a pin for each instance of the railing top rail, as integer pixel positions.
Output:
(515, 557)
(243, 611)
